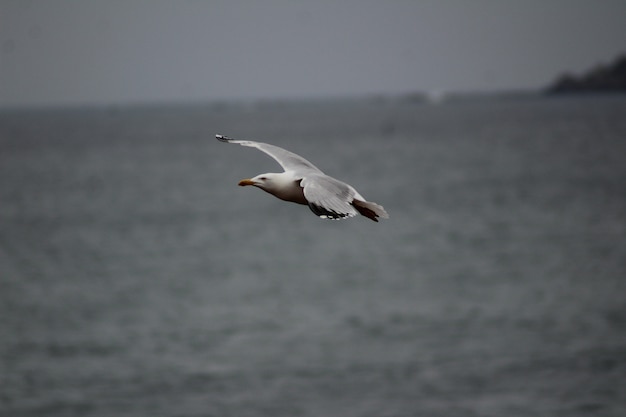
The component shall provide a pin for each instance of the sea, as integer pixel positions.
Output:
(138, 279)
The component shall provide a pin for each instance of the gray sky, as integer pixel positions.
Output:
(116, 51)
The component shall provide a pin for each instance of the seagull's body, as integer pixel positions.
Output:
(304, 183)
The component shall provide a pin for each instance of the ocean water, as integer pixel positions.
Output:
(137, 279)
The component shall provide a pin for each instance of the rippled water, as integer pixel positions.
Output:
(137, 279)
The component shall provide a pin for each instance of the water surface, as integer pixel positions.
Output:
(137, 279)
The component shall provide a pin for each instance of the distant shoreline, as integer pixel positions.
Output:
(600, 79)
(413, 97)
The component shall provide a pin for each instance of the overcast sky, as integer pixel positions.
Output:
(117, 51)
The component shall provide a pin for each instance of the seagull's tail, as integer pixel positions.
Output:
(370, 210)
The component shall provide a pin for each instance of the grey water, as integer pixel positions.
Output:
(137, 279)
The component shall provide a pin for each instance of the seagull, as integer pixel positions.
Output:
(304, 183)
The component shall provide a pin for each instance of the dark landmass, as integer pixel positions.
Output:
(603, 78)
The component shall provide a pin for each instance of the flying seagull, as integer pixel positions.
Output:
(304, 183)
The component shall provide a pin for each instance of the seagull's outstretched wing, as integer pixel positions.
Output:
(328, 197)
(288, 160)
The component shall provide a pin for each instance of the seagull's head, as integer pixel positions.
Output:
(283, 185)
(266, 182)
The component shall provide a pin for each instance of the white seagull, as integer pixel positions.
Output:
(304, 183)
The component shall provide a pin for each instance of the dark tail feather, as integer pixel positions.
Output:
(370, 210)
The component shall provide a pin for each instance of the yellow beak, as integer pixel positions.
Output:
(245, 182)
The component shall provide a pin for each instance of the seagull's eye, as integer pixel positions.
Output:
(263, 178)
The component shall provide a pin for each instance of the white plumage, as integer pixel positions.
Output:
(304, 183)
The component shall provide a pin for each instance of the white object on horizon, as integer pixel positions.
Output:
(304, 183)
(436, 96)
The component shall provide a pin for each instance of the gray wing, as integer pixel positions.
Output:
(287, 160)
(328, 197)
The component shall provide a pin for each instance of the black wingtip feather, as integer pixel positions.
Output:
(327, 214)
